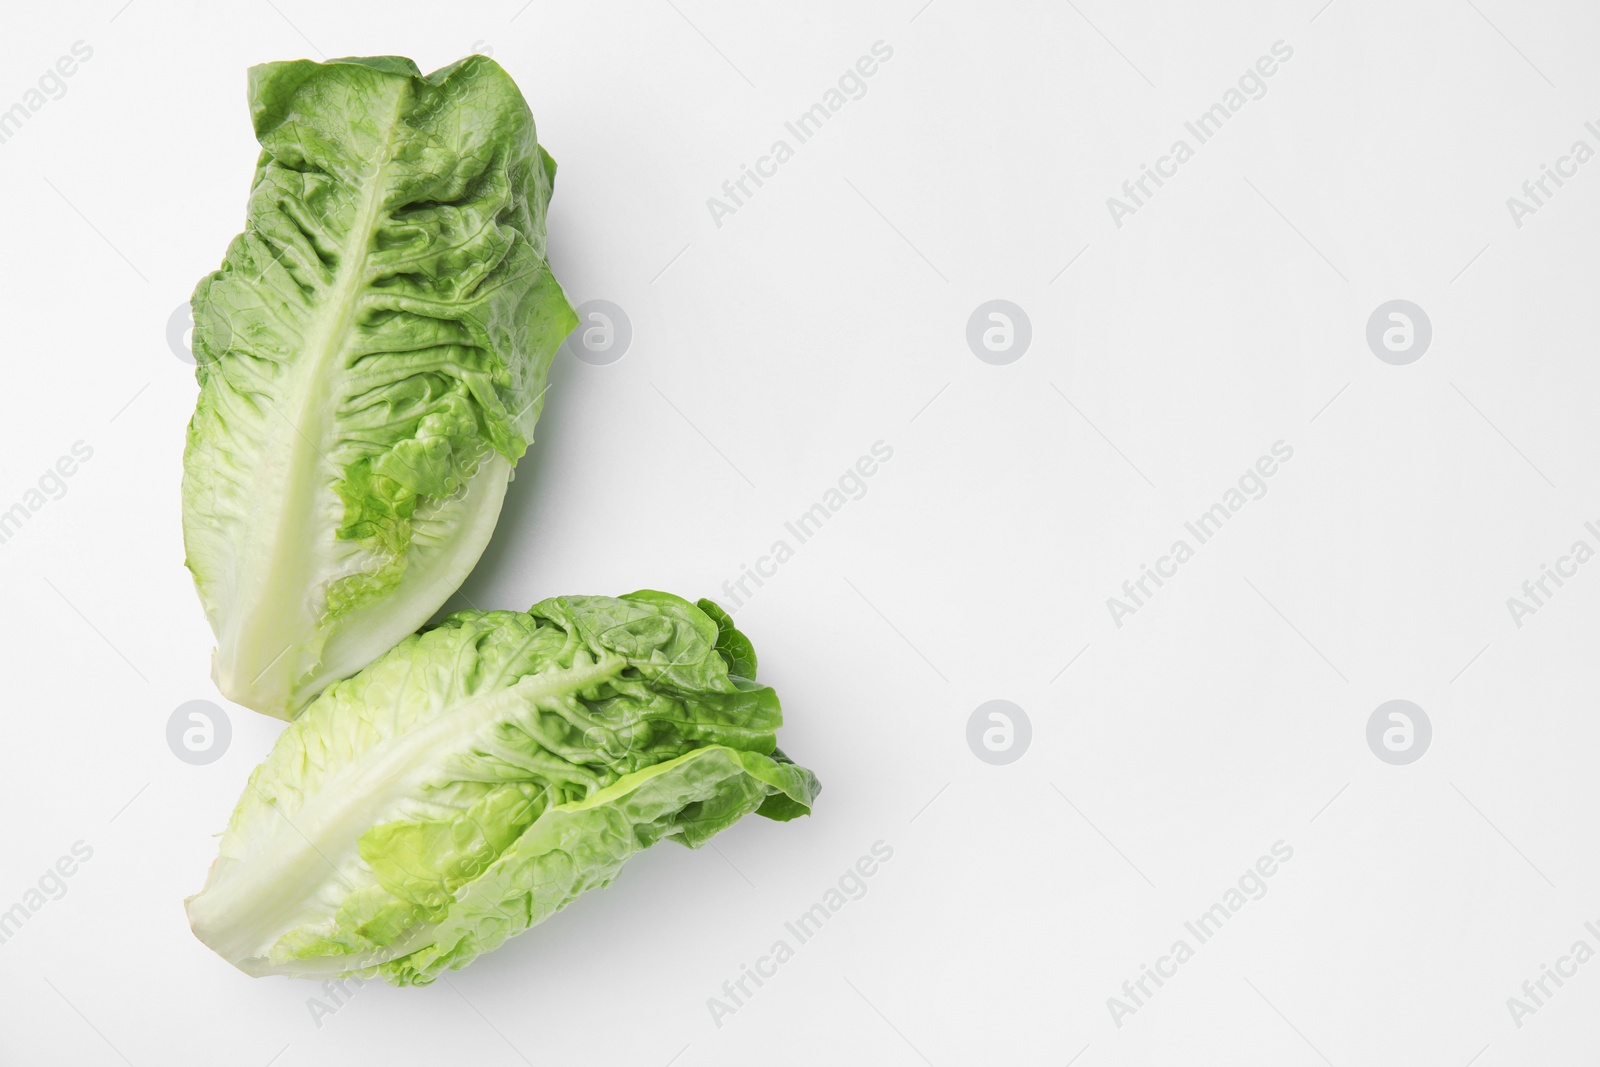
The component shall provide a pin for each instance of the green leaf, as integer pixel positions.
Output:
(372, 358)
(734, 646)
(581, 846)
(479, 776)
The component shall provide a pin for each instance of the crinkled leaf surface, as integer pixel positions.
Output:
(372, 358)
(481, 775)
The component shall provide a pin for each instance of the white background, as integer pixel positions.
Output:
(828, 313)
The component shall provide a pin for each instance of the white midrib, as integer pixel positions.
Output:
(278, 591)
(262, 896)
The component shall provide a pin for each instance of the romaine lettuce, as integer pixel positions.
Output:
(372, 358)
(478, 777)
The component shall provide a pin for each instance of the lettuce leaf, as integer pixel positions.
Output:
(372, 358)
(480, 776)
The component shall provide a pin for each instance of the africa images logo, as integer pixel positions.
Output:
(1252, 85)
(851, 85)
(51, 85)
